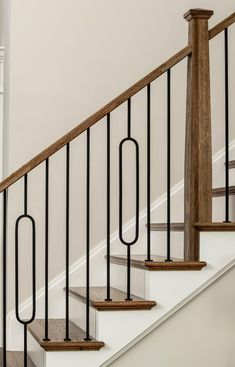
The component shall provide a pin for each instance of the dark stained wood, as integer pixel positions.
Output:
(231, 164)
(217, 227)
(97, 116)
(175, 227)
(118, 303)
(16, 359)
(198, 152)
(220, 191)
(57, 334)
(198, 14)
(221, 26)
(178, 227)
(158, 263)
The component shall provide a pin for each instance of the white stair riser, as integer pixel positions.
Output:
(78, 315)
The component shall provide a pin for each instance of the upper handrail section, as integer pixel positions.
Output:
(220, 27)
(97, 116)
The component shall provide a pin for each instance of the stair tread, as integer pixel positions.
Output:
(15, 359)
(157, 263)
(177, 227)
(118, 303)
(231, 164)
(220, 191)
(214, 226)
(56, 331)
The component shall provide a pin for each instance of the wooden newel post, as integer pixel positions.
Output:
(198, 153)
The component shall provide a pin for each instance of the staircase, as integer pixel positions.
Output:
(105, 315)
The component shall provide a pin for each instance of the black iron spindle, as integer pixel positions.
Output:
(128, 244)
(46, 337)
(226, 126)
(25, 194)
(4, 279)
(25, 346)
(129, 118)
(148, 172)
(88, 241)
(67, 338)
(108, 297)
(168, 258)
(30, 218)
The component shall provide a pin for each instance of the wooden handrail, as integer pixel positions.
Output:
(97, 116)
(221, 26)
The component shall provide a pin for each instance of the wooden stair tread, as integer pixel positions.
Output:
(209, 227)
(231, 164)
(118, 303)
(215, 226)
(158, 263)
(220, 191)
(175, 227)
(56, 331)
(15, 359)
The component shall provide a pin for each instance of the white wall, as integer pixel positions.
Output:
(65, 59)
(200, 334)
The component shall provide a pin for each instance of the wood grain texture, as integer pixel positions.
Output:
(57, 335)
(198, 152)
(158, 263)
(221, 26)
(15, 359)
(118, 303)
(220, 191)
(217, 227)
(97, 116)
(175, 227)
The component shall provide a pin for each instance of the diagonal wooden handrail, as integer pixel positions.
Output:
(221, 26)
(97, 116)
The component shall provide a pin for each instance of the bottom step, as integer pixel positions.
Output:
(157, 263)
(15, 359)
(56, 332)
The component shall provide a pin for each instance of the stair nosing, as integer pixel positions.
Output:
(178, 264)
(115, 305)
(62, 345)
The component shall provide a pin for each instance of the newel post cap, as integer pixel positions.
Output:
(198, 14)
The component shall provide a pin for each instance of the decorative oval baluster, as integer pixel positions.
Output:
(25, 322)
(121, 195)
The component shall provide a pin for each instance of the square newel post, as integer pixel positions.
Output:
(198, 153)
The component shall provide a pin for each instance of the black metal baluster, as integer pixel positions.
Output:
(128, 298)
(148, 172)
(168, 258)
(108, 298)
(129, 118)
(88, 240)
(67, 244)
(46, 337)
(128, 244)
(26, 194)
(25, 215)
(4, 279)
(226, 126)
